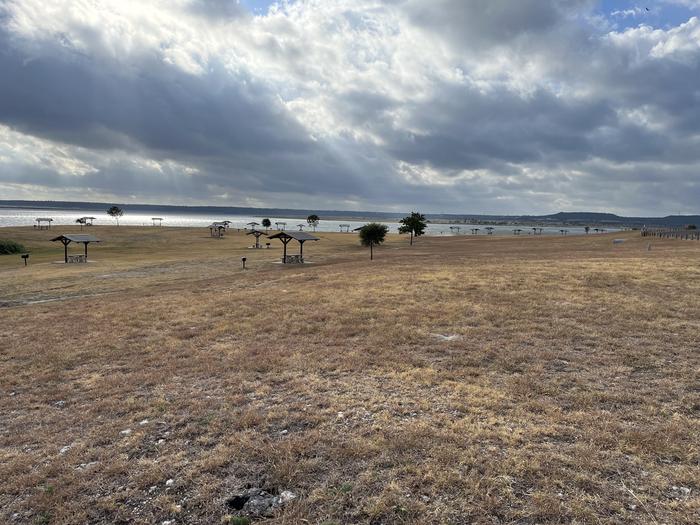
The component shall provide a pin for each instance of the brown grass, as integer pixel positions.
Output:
(570, 396)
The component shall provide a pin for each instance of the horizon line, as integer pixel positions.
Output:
(304, 210)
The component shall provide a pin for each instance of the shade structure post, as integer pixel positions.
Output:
(85, 244)
(301, 250)
(65, 250)
(284, 255)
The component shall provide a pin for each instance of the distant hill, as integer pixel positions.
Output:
(564, 218)
(582, 219)
(612, 219)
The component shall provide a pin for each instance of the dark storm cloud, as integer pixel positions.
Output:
(461, 127)
(230, 127)
(485, 23)
(74, 99)
(218, 10)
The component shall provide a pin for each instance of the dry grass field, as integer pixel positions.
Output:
(462, 380)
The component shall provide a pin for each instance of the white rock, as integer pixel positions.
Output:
(451, 337)
(169, 482)
(125, 432)
(64, 449)
(143, 422)
(168, 522)
(286, 495)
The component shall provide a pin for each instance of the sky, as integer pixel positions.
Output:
(447, 106)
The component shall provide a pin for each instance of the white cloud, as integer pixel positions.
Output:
(490, 106)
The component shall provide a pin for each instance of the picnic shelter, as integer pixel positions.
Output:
(76, 238)
(300, 237)
(217, 229)
(44, 223)
(257, 234)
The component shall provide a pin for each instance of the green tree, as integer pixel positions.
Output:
(313, 220)
(81, 221)
(587, 229)
(266, 224)
(372, 234)
(414, 224)
(115, 212)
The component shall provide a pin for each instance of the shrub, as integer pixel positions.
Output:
(8, 247)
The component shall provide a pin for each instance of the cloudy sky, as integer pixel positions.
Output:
(464, 106)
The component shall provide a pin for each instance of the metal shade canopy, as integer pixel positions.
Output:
(287, 236)
(218, 227)
(74, 237)
(47, 220)
(297, 236)
(257, 234)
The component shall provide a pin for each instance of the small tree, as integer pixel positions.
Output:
(82, 221)
(115, 212)
(313, 220)
(266, 224)
(414, 224)
(587, 229)
(371, 234)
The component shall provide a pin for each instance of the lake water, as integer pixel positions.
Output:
(67, 217)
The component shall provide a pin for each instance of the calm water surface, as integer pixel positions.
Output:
(63, 217)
